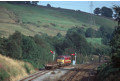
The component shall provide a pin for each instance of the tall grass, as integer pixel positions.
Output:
(13, 69)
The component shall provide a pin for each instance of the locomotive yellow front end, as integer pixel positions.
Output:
(60, 60)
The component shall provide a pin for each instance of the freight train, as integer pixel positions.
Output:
(60, 62)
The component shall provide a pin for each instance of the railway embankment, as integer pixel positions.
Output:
(13, 70)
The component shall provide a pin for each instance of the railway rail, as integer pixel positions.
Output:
(80, 73)
(35, 75)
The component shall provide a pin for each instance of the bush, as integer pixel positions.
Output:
(4, 76)
(28, 69)
(106, 71)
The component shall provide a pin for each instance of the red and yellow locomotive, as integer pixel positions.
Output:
(60, 61)
(64, 60)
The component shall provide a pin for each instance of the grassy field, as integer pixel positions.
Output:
(13, 70)
(94, 40)
(31, 20)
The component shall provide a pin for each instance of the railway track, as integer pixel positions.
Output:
(71, 74)
(81, 73)
(35, 75)
(73, 77)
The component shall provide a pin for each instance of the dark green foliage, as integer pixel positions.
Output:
(107, 12)
(14, 44)
(78, 42)
(35, 50)
(97, 11)
(104, 11)
(4, 76)
(17, 2)
(27, 2)
(108, 73)
(105, 31)
(27, 68)
(59, 35)
(98, 34)
(14, 50)
(2, 46)
(106, 34)
(58, 43)
(48, 5)
(34, 2)
(111, 71)
(115, 44)
(77, 30)
(117, 13)
(90, 33)
(21, 2)
(103, 49)
(28, 47)
(75, 40)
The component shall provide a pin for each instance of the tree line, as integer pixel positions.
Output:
(36, 49)
(24, 2)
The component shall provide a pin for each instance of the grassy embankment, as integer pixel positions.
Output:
(12, 70)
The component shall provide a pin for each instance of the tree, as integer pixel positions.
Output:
(48, 5)
(77, 42)
(90, 32)
(16, 2)
(14, 45)
(115, 42)
(107, 12)
(77, 30)
(35, 2)
(106, 34)
(3, 42)
(27, 2)
(105, 31)
(117, 13)
(59, 35)
(97, 11)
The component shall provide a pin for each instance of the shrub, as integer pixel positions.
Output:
(28, 69)
(3, 75)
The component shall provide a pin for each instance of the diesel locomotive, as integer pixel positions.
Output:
(61, 61)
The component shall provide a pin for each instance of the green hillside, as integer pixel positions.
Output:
(31, 20)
